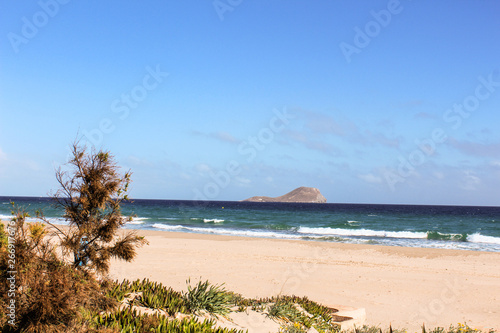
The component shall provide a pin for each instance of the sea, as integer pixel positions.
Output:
(444, 227)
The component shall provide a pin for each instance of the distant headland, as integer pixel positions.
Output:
(301, 194)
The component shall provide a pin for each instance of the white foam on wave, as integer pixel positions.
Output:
(412, 239)
(263, 234)
(6, 217)
(478, 238)
(213, 220)
(138, 220)
(53, 220)
(225, 231)
(135, 222)
(168, 227)
(362, 232)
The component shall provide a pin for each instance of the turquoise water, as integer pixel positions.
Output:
(451, 227)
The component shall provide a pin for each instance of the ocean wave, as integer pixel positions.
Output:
(54, 220)
(135, 222)
(167, 227)
(478, 238)
(430, 235)
(228, 232)
(326, 238)
(213, 220)
(475, 242)
(362, 232)
(434, 235)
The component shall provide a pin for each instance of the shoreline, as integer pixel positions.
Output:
(320, 239)
(222, 237)
(402, 286)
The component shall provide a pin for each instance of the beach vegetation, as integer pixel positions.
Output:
(212, 298)
(376, 329)
(238, 300)
(130, 321)
(293, 310)
(460, 328)
(46, 293)
(3, 237)
(91, 191)
(149, 294)
(119, 291)
(202, 297)
(285, 310)
(292, 328)
(160, 297)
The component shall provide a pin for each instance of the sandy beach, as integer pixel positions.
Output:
(397, 285)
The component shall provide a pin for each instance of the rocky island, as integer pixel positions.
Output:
(301, 194)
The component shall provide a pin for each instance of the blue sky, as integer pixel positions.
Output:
(371, 102)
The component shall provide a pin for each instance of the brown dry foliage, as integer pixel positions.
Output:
(49, 294)
(91, 193)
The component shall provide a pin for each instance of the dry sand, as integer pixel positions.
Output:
(402, 286)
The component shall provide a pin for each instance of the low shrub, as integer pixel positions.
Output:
(47, 293)
(211, 298)
(130, 321)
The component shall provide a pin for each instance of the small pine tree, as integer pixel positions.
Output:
(91, 193)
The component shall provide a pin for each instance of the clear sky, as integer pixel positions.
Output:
(368, 101)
